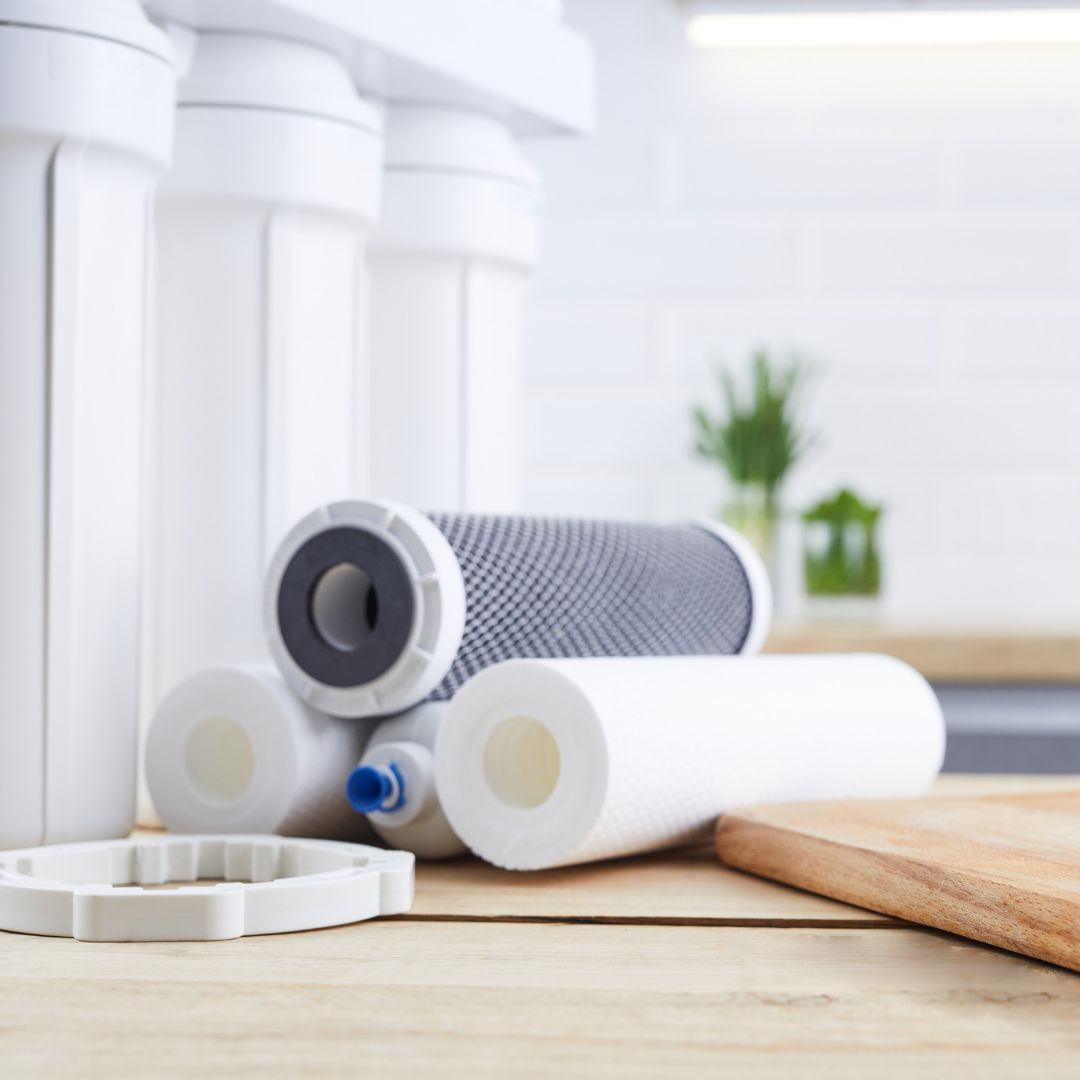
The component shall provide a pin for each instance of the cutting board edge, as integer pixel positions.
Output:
(953, 901)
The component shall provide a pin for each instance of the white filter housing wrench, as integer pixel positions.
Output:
(273, 885)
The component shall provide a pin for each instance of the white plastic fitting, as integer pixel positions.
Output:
(87, 93)
(260, 404)
(451, 256)
(394, 784)
(94, 892)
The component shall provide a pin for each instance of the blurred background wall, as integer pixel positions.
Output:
(910, 218)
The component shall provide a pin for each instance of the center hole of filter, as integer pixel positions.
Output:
(344, 607)
(219, 759)
(522, 762)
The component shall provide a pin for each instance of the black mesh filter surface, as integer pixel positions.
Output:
(549, 588)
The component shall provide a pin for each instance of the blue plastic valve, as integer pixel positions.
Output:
(371, 788)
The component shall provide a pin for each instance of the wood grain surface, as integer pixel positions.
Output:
(658, 967)
(947, 655)
(493, 999)
(1003, 869)
(674, 888)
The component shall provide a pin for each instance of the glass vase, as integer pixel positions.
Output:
(841, 559)
(753, 510)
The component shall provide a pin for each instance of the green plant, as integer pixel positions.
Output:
(842, 559)
(758, 440)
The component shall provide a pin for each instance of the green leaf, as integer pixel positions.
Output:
(758, 440)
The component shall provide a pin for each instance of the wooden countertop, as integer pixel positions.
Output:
(944, 655)
(666, 965)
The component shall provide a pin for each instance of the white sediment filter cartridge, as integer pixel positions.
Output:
(544, 763)
(259, 408)
(87, 99)
(371, 607)
(233, 750)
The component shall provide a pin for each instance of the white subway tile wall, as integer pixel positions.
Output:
(910, 218)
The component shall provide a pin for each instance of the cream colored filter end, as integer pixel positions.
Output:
(233, 750)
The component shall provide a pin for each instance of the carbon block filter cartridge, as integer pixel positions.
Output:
(232, 750)
(546, 763)
(372, 607)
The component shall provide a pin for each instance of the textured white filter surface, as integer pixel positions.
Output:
(652, 750)
(301, 758)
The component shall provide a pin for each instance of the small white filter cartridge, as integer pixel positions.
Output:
(394, 784)
(548, 763)
(87, 95)
(232, 750)
(451, 257)
(260, 404)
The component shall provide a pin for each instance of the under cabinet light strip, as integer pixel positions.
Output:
(876, 28)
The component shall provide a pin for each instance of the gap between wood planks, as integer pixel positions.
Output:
(877, 922)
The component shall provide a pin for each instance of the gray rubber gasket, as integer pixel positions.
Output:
(391, 583)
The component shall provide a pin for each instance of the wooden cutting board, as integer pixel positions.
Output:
(1003, 869)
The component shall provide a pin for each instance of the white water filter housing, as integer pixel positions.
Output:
(451, 257)
(260, 402)
(87, 92)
